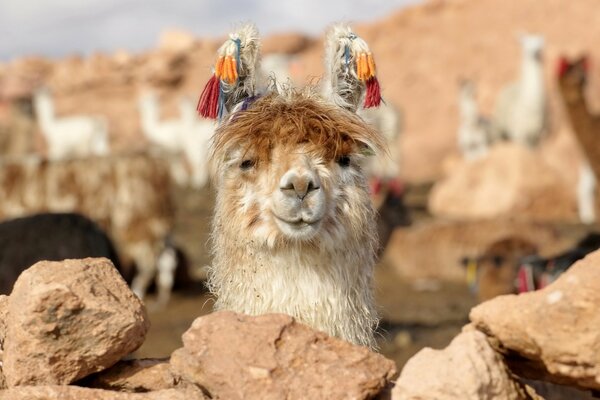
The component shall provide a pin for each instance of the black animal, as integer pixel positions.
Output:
(54, 237)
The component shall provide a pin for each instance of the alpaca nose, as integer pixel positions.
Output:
(299, 184)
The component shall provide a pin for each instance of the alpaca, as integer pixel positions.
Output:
(294, 229)
(572, 78)
(78, 136)
(188, 135)
(196, 139)
(521, 114)
(474, 130)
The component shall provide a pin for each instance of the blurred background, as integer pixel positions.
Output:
(490, 187)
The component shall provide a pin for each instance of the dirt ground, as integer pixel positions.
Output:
(414, 315)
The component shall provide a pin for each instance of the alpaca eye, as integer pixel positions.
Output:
(246, 164)
(344, 161)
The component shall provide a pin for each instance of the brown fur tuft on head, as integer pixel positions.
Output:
(291, 119)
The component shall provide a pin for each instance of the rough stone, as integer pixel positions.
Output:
(143, 375)
(468, 369)
(495, 186)
(551, 334)
(79, 393)
(272, 356)
(69, 319)
(3, 316)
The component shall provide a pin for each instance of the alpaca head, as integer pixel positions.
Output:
(289, 162)
(572, 75)
(290, 168)
(532, 46)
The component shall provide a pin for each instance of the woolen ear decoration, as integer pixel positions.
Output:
(234, 74)
(358, 51)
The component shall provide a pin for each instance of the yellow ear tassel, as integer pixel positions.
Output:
(371, 62)
(219, 67)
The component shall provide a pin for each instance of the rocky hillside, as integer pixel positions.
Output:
(421, 52)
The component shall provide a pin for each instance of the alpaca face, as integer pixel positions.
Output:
(572, 76)
(295, 176)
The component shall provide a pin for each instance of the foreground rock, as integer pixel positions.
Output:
(144, 375)
(69, 319)
(272, 356)
(78, 393)
(552, 334)
(468, 369)
(496, 186)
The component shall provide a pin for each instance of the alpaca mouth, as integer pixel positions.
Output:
(298, 227)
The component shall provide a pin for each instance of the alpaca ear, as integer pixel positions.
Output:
(234, 75)
(349, 70)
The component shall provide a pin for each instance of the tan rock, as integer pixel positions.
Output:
(468, 369)
(551, 334)
(79, 393)
(69, 319)
(434, 249)
(3, 316)
(511, 181)
(176, 40)
(144, 375)
(272, 356)
(539, 390)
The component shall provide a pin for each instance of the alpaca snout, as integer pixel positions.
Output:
(299, 184)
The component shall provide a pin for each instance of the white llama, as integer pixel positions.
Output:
(187, 135)
(294, 230)
(586, 194)
(76, 136)
(196, 139)
(521, 114)
(474, 131)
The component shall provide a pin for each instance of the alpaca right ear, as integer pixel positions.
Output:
(234, 77)
(349, 70)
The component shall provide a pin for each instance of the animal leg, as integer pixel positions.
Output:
(586, 188)
(143, 256)
(166, 265)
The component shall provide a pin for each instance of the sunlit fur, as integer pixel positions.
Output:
(318, 271)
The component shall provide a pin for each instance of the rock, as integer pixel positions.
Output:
(539, 390)
(144, 375)
(3, 314)
(495, 187)
(69, 319)
(272, 356)
(176, 40)
(434, 249)
(551, 334)
(468, 369)
(79, 393)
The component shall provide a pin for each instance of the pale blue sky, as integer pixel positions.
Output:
(60, 27)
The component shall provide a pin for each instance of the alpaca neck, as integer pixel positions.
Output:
(469, 112)
(150, 121)
(586, 126)
(328, 290)
(532, 79)
(45, 114)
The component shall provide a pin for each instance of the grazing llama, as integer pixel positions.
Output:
(521, 113)
(77, 136)
(474, 132)
(572, 77)
(294, 229)
(187, 135)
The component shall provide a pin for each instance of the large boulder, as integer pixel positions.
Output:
(468, 369)
(272, 356)
(145, 375)
(3, 312)
(78, 393)
(511, 181)
(552, 334)
(69, 319)
(434, 249)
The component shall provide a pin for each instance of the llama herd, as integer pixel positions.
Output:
(521, 116)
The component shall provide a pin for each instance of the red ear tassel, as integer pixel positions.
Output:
(563, 66)
(373, 96)
(208, 103)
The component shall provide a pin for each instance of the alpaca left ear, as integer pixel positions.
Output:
(234, 78)
(349, 70)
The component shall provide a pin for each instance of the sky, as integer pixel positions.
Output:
(57, 28)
